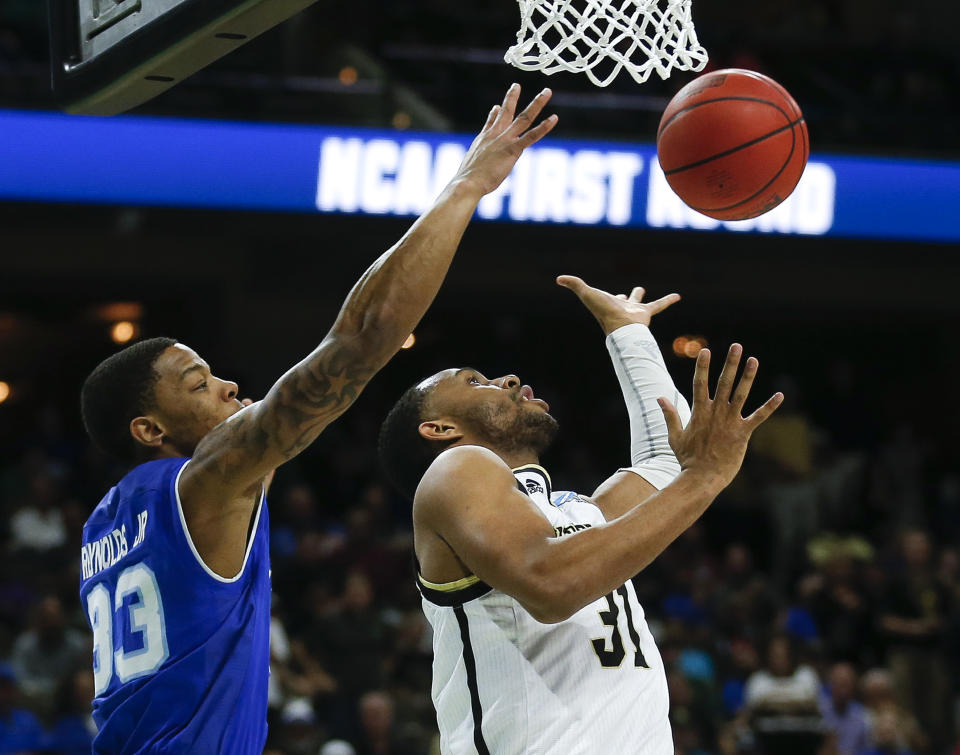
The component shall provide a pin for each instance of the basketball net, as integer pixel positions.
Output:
(602, 37)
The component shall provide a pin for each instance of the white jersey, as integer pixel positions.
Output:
(505, 684)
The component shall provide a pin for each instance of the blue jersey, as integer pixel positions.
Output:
(180, 655)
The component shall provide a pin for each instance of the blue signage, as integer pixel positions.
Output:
(49, 157)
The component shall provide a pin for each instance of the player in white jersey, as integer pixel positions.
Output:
(540, 644)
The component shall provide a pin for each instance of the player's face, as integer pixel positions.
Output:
(501, 413)
(190, 400)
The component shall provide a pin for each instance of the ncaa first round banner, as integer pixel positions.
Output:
(50, 157)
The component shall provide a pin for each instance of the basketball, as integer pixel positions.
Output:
(733, 144)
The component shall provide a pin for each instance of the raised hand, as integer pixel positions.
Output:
(715, 440)
(612, 311)
(499, 145)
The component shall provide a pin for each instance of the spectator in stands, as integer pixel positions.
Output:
(886, 739)
(362, 551)
(375, 498)
(20, 731)
(792, 493)
(338, 747)
(846, 718)
(691, 713)
(38, 525)
(297, 732)
(351, 642)
(48, 650)
(74, 729)
(297, 515)
(293, 671)
(378, 735)
(410, 668)
(877, 686)
(914, 618)
(898, 477)
(946, 506)
(836, 598)
(948, 574)
(745, 604)
(743, 663)
(782, 703)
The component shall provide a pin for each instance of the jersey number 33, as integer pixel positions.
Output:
(129, 634)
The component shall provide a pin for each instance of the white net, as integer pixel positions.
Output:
(602, 37)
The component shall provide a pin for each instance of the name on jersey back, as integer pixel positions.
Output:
(104, 552)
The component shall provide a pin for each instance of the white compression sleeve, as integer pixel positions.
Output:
(643, 379)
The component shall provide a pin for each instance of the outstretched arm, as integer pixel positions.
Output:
(379, 313)
(469, 499)
(643, 378)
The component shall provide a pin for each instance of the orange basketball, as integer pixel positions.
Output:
(733, 144)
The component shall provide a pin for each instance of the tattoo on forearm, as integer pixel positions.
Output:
(311, 396)
(370, 328)
(307, 399)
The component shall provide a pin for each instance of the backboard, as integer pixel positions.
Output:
(108, 56)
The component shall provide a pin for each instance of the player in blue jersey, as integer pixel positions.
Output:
(175, 562)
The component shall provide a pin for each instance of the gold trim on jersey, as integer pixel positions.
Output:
(460, 584)
(537, 467)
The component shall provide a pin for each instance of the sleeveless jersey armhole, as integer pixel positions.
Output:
(252, 534)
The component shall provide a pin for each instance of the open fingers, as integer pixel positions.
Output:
(637, 294)
(507, 109)
(763, 413)
(529, 114)
(494, 112)
(729, 373)
(584, 291)
(572, 282)
(671, 416)
(536, 134)
(701, 376)
(662, 303)
(742, 390)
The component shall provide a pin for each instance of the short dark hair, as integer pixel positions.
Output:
(404, 453)
(120, 388)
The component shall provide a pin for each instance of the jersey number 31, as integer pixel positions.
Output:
(613, 657)
(141, 646)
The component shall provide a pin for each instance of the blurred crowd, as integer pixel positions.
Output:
(814, 609)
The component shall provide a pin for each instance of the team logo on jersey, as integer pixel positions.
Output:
(534, 487)
(558, 499)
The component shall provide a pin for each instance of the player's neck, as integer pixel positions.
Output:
(514, 459)
(169, 451)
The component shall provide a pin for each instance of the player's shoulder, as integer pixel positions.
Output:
(461, 470)
(151, 479)
(466, 461)
(150, 474)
